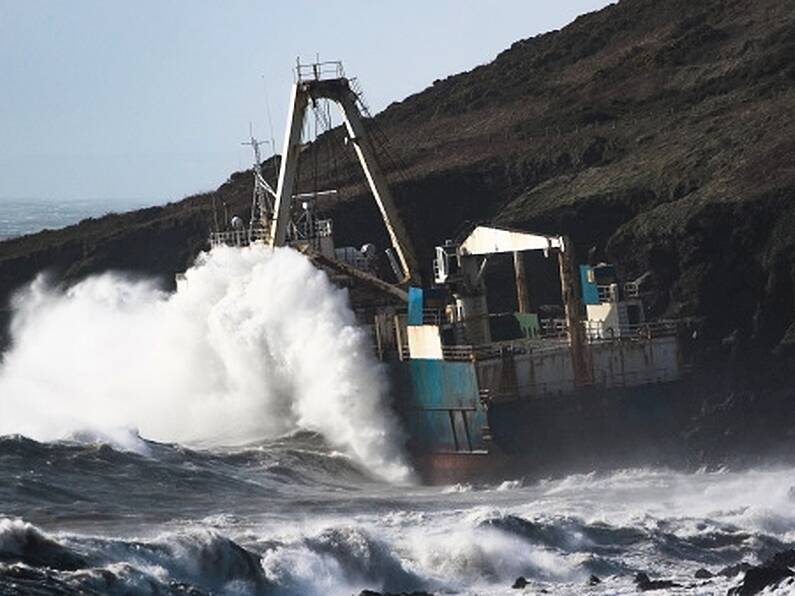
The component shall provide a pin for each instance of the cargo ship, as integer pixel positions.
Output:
(482, 395)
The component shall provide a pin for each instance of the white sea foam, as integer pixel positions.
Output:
(475, 542)
(258, 344)
(509, 485)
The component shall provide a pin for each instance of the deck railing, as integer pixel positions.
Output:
(321, 228)
(319, 71)
(631, 289)
(600, 331)
(549, 344)
(554, 336)
(609, 293)
(242, 237)
(541, 389)
(554, 328)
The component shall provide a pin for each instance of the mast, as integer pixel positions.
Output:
(326, 80)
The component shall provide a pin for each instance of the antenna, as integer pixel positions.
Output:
(261, 201)
(268, 112)
(255, 144)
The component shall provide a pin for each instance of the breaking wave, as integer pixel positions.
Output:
(289, 518)
(258, 343)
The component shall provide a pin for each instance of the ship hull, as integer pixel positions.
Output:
(456, 435)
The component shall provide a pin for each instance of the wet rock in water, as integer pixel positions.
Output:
(645, 584)
(768, 574)
(520, 583)
(783, 559)
(758, 578)
(594, 581)
(703, 574)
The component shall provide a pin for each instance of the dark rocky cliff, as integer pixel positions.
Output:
(659, 134)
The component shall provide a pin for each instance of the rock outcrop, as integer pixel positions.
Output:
(771, 573)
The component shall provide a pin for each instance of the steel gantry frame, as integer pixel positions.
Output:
(310, 88)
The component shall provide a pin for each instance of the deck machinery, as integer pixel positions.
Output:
(478, 398)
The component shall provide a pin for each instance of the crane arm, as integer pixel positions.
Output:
(339, 91)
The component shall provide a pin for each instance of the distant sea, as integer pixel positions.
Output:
(25, 216)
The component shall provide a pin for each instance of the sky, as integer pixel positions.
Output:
(150, 100)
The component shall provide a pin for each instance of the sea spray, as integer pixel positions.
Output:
(257, 344)
(94, 520)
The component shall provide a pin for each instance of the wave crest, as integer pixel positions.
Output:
(259, 343)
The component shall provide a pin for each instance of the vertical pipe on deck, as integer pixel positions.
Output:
(572, 299)
(522, 294)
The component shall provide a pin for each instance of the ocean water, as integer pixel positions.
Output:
(25, 216)
(291, 516)
(235, 438)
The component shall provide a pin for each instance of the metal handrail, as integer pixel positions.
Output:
(554, 337)
(494, 350)
(239, 237)
(554, 328)
(631, 289)
(318, 71)
(323, 228)
(609, 292)
(598, 330)
(548, 388)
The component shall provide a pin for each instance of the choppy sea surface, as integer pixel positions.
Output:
(291, 516)
(25, 216)
(235, 437)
